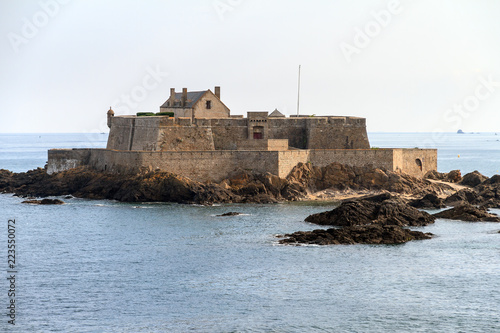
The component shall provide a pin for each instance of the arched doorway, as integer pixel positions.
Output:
(258, 132)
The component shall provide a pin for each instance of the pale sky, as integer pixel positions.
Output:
(407, 66)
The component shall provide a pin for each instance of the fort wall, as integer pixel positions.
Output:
(415, 162)
(157, 133)
(379, 158)
(218, 165)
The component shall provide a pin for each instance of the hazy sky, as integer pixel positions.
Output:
(405, 65)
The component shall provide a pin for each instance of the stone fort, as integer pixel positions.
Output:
(194, 135)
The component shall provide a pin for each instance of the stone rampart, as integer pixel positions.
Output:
(149, 133)
(218, 165)
(415, 162)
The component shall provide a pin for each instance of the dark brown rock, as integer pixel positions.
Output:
(463, 196)
(428, 201)
(45, 202)
(453, 176)
(341, 177)
(243, 187)
(381, 209)
(473, 179)
(468, 212)
(230, 214)
(367, 234)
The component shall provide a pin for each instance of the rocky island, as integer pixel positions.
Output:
(195, 151)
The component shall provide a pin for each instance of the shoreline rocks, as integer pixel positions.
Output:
(469, 213)
(44, 202)
(241, 187)
(383, 209)
(375, 219)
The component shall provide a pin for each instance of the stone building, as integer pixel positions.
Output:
(195, 104)
(203, 141)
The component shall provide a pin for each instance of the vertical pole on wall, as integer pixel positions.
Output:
(298, 95)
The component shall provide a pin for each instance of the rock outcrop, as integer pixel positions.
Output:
(242, 187)
(383, 209)
(454, 176)
(428, 201)
(44, 202)
(473, 179)
(366, 234)
(342, 177)
(467, 212)
(377, 219)
(463, 196)
(229, 214)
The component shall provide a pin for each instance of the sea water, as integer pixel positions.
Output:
(105, 266)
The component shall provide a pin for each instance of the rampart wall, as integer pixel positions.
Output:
(218, 165)
(164, 133)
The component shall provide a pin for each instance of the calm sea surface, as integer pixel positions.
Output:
(104, 266)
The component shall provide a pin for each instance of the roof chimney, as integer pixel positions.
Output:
(184, 96)
(217, 92)
(172, 94)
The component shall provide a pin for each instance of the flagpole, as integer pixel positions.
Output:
(298, 95)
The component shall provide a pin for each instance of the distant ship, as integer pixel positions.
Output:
(460, 132)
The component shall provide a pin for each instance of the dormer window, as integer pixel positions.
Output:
(208, 104)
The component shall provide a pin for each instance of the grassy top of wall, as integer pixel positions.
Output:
(149, 114)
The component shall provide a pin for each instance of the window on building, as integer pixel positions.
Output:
(419, 163)
(209, 104)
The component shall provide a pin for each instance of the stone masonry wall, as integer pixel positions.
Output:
(218, 165)
(380, 158)
(149, 133)
(64, 159)
(218, 110)
(415, 162)
(190, 138)
(337, 133)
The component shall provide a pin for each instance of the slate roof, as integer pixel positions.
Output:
(276, 113)
(192, 98)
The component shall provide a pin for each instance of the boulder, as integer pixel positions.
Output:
(366, 234)
(463, 196)
(44, 202)
(473, 179)
(454, 176)
(468, 212)
(428, 201)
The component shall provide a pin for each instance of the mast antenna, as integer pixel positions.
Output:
(298, 95)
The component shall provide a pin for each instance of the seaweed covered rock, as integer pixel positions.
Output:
(44, 202)
(383, 209)
(366, 234)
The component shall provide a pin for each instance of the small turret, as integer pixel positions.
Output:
(111, 114)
